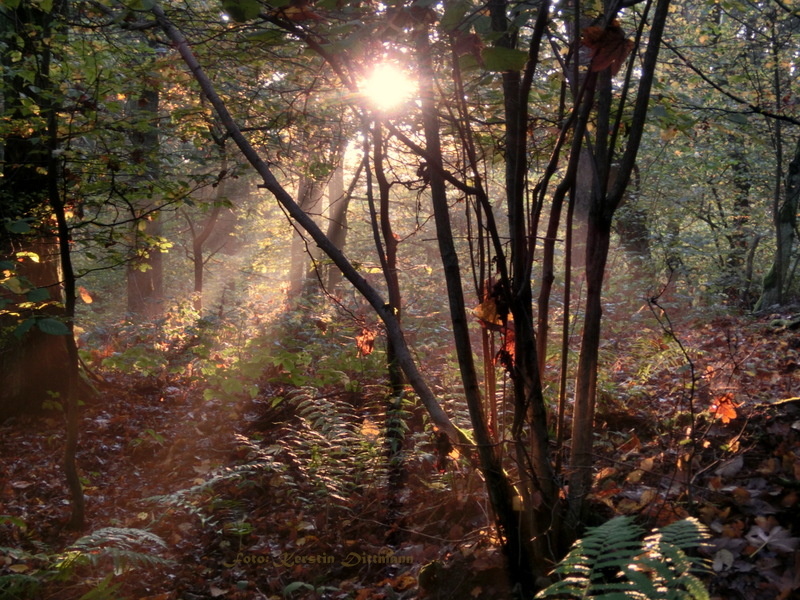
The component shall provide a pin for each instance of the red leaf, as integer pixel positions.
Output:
(724, 408)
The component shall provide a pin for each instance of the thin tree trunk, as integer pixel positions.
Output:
(603, 205)
(785, 220)
(514, 528)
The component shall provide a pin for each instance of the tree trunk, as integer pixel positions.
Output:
(338, 203)
(785, 219)
(309, 197)
(146, 266)
(514, 527)
(605, 199)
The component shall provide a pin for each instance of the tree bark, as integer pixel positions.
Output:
(785, 219)
(146, 267)
(309, 198)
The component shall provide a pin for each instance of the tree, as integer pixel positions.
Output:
(34, 361)
(46, 360)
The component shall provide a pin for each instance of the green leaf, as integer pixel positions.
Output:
(297, 585)
(504, 59)
(52, 326)
(45, 6)
(38, 295)
(267, 36)
(23, 327)
(738, 118)
(454, 15)
(241, 10)
(16, 285)
(19, 226)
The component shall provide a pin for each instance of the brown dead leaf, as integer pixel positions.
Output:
(734, 529)
(778, 539)
(741, 495)
(632, 445)
(634, 476)
(468, 43)
(608, 45)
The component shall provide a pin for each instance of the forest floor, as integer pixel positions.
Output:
(144, 443)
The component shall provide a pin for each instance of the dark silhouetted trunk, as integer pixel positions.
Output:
(776, 281)
(35, 365)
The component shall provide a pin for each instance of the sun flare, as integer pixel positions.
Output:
(387, 87)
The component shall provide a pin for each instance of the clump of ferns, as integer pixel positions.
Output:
(115, 549)
(123, 548)
(330, 456)
(210, 500)
(614, 562)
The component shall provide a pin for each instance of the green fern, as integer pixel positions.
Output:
(127, 548)
(123, 548)
(199, 500)
(612, 562)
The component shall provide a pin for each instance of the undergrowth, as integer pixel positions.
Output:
(95, 560)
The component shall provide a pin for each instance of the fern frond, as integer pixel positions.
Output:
(126, 547)
(612, 562)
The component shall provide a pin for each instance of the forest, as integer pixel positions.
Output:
(361, 299)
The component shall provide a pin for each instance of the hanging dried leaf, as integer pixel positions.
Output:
(493, 311)
(608, 45)
(486, 311)
(468, 43)
(365, 341)
(297, 11)
(507, 352)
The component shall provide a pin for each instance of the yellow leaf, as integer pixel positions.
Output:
(18, 568)
(668, 134)
(487, 311)
(16, 286)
